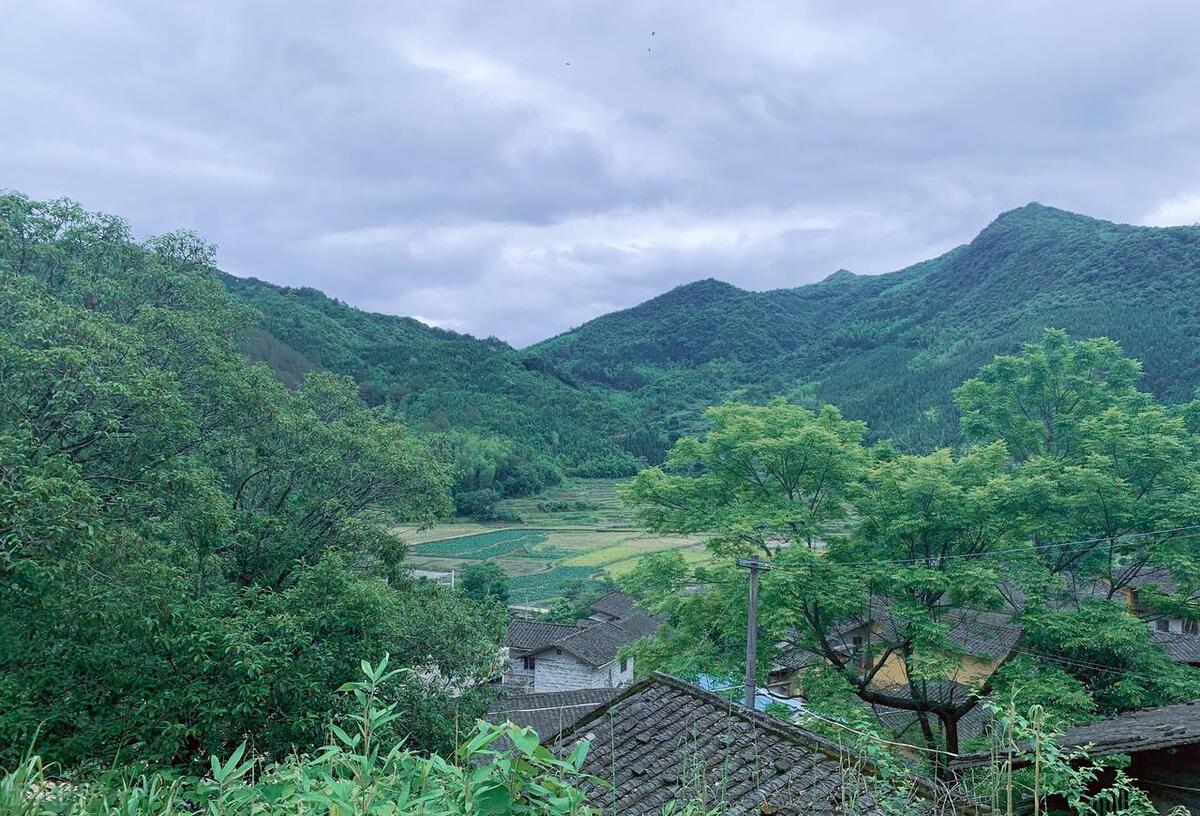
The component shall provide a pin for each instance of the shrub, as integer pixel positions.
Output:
(353, 773)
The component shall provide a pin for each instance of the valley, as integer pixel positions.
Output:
(574, 531)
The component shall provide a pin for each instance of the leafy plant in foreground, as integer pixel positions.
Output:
(355, 773)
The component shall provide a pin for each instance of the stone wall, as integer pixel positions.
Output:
(566, 672)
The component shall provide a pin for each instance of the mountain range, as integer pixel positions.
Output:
(886, 348)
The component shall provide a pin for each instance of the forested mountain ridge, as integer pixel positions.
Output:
(440, 380)
(889, 348)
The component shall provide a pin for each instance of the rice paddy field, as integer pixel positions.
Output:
(566, 534)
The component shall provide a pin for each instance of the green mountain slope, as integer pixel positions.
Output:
(890, 348)
(440, 380)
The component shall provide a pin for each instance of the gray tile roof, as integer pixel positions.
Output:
(978, 634)
(616, 604)
(1147, 730)
(597, 644)
(549, 712)
(640, 625)
(1148, 576)
(903, 724)
(664, 740)
(1152, 728)
(535, 635)
(1182, 648)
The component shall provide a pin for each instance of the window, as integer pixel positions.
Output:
(528, 663)
(624, 664)
(1162, 625)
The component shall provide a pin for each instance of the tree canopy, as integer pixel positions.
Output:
(943, 566)
(190, 552)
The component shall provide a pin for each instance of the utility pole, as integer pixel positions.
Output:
(755, 566)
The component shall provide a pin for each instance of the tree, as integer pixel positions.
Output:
(923, 567)
(1104, 474)
(189, 552)
(943, 562)
(485, 581)
(927, 527)
(761, 478)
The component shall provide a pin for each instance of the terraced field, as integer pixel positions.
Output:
(556, 545)
(483, 546)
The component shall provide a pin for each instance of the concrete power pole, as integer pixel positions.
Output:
(755, 566)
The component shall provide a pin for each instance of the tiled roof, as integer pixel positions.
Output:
(978, 634)
(1182, 648)
(616, 604)
(1149, 575)
(1148, 730)
(550, 712)
(535, 635)
(1152, 728)
(988, 635)
(664, 740)
(639, 624)
(597, 644)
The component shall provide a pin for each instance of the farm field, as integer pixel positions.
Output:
(555, 545)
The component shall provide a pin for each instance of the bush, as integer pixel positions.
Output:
(353, 773)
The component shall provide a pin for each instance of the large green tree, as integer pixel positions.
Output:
(760, 479)
(190, 553)
(1105, 476)
(1072, 472)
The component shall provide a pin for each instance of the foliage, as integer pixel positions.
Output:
(1030, 770)
(354, 772)
(513, 425)
(889, 349)
(189, 551)
(484, 581)
(1072, 473)
(1108, 652)
(1096, 459)
(576, 602)
(759, 479)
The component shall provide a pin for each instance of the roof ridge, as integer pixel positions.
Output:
(583, 630)
(548, 623)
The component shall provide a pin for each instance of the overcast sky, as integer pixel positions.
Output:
(516, 168)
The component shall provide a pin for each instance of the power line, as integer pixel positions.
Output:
(1030, 548)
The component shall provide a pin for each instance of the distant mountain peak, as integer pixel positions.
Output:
(1035, 211)
(840, 275)
(704, 290)
(707, 285)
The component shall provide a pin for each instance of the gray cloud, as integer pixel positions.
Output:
(445, 161)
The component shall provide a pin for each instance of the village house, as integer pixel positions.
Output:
(1141, 591)
(1163, 746)
(664, 740)
(553, 657)
(980, 643)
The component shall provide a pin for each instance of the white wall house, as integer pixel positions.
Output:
(546, 657)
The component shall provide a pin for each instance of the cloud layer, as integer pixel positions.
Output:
(516, 168)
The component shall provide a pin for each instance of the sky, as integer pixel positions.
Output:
(517, 168)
